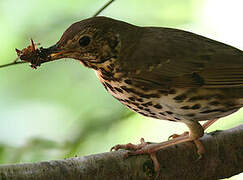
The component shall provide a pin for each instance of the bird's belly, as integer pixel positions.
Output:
(176, 105)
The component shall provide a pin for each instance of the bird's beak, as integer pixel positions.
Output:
(50, 54)
(55, 52)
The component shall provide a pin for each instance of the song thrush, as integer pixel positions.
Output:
(158, 72)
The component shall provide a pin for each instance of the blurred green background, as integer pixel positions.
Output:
(61, 110)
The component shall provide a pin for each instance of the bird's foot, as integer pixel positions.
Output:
(152, 148)
(142, 148)
(199, 145)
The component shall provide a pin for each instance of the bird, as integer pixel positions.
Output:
(158, 72)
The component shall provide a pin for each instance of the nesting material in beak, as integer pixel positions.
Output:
(36, 56)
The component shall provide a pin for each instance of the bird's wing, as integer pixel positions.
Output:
(173, 58)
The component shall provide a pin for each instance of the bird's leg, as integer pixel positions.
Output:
(196, 131)
(208, 123)
(205, 126)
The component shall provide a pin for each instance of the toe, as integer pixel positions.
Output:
(200, 147)
(173, 136)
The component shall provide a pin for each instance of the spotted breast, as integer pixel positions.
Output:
(187, 104)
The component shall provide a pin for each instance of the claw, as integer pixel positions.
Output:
(173, 136)
(130, 146)
(200, 148)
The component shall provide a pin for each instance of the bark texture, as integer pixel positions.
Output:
(223, 158)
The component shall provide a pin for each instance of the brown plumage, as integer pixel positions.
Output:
(158, 72)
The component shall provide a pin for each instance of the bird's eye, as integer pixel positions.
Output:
(84, 41)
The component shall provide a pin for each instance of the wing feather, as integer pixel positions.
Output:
(174, 58)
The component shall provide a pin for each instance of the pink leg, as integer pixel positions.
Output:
(208, 123)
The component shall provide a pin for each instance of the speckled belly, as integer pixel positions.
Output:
(175, 105)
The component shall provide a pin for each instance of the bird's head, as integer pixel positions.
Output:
(92, 41)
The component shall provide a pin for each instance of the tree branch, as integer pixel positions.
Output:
(12, 63)
(223, 158)
(103, 8)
